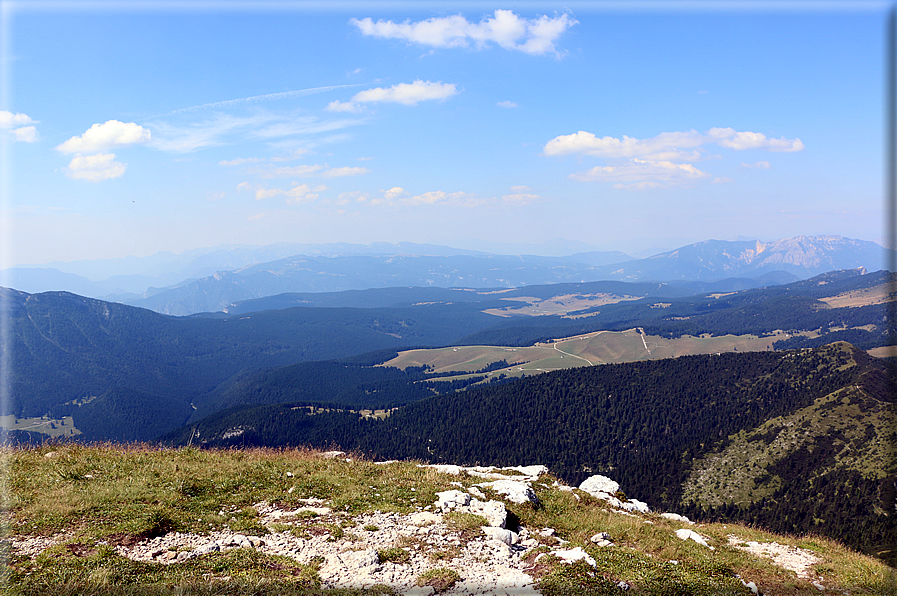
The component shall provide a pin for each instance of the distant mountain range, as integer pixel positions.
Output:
(213, 280)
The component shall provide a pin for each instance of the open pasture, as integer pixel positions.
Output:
(558, 305)
(54, 427)
(862, 297)
(601, 347)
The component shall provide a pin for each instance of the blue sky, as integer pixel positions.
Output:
(133, 128)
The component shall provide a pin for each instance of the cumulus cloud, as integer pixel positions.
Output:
(299, 193)
(95, 168)
(520, 188)
(662, 160)
(20, 126)
(504, 28)
(394, 193)
(408, 94)
(739, 141)
(640, 174)
(667, 145)
(10, 120)
(506, 104)
(112, 133)
(760, 165)
(24, 134)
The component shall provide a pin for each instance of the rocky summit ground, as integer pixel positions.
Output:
(386, 527)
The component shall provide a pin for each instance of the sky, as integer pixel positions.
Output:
(131, 127)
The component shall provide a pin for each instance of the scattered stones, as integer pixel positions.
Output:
(602, 539)
(795, 559)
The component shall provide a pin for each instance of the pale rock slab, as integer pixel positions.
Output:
(500, 534)
(677, 517)
(571, 555)
(516, 492)
(686, 534)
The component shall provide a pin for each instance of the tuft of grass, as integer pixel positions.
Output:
(440, 579)
(395, 554)
(468, 524)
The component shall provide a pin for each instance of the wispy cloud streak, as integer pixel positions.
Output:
(267, 97)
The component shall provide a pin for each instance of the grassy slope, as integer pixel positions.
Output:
(103, 493)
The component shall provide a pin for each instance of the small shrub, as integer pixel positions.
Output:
(371, 528)
(440, 579)
(394, 555)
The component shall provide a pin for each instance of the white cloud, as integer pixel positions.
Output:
(394, 193)
(344, 171)
(95, 168)
(256, 216)
(295, 154)
(506, 29)
(10, 120)
(520, 188)
(344, 106)
(760, 165)
(506, 104)
(243, 186)
(677, 146)
(408, 94)
(300, 193)
(112, 133)
(740, 141)
(640, 174)
(239, 161)
(289, 171)
(25, 134)
(223, 129)
(305, 171)
(661, 160)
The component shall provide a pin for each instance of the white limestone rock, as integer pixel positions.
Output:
(452, 499)
(516, 492)
(597, 485)
(571, 555)
(636, 505)
(500, 534)
(677, 517)
(494, 512)
(686, 534)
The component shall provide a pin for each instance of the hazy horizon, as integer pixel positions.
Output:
(134, 129)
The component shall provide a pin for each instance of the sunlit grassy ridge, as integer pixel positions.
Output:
(92, 497)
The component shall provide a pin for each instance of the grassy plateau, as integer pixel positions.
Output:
(81, 502)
